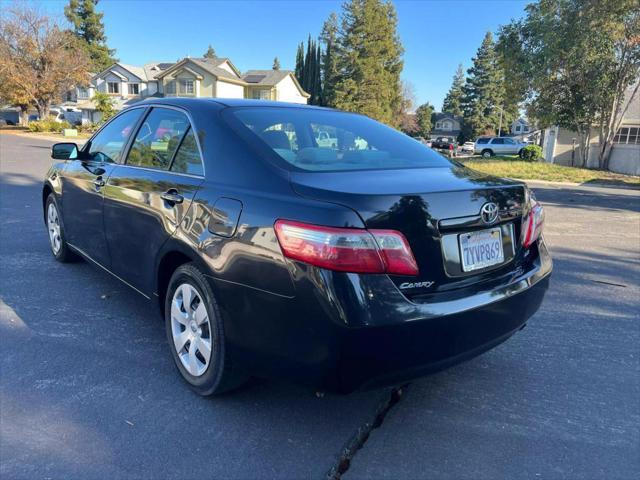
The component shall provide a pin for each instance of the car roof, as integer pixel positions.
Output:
(226, 102)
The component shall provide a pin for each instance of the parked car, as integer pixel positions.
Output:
(468, 147)
(341, 268)
(444, 143)
(490, 146)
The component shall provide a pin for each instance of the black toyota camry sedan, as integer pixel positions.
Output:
(297, 242)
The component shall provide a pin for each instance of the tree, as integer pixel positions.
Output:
(276, 64)
(423, 118)
(38, 60)
(585, 79)
(328, 38)
(453, 101)
(513, 63)
(104, 105)
(369, 60)
(407, 118)
(483, 92)
(88, 27)
(299, 62)
(210, 53)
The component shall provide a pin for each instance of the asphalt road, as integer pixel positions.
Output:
(88, 390)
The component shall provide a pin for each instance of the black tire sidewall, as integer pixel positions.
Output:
(208, 382)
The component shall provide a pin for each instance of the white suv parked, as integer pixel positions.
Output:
(490, 146)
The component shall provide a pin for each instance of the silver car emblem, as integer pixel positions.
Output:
(489, 212)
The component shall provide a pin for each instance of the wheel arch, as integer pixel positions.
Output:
(47, 190)
(484, 150)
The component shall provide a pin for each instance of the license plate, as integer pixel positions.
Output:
(481, 249)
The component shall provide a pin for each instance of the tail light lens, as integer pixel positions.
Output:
(347, 249)
(532, 224)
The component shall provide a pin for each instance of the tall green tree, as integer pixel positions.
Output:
(453, 101)
(276, 64)
(513, 62)
(210, 53)
(483, 92)
(328, 39)
(423, 118)
(299, 63)
(88, 27)
(580, 84)
(369, 60)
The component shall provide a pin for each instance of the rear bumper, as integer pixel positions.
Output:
(336, 335)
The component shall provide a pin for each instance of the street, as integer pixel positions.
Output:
(88, 389)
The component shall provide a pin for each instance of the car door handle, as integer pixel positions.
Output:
(172, 197)
(99, 183)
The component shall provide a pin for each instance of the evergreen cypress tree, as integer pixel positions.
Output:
(453, 101)
(483, 92)
(88, 27)
(276, 64)
(307, 73)
(300, 63)
(328, 38)
(369, 60)
(317, 76)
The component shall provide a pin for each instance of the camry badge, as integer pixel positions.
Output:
(489, 212)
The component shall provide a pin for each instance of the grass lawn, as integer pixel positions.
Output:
(512, 167)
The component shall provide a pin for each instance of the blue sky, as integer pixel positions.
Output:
(437, 35)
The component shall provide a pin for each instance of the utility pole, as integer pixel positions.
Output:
(500, 124)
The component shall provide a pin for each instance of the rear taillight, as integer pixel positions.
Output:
(346, 249)
(532, 224)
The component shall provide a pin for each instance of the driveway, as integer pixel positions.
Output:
(88, 390)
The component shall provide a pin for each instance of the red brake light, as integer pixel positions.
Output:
(346, 249)
(532, 224)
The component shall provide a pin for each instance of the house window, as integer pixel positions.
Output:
(171, 87)
(438, 125)
(262, 94)
(186, 87)
(518, 128)
(628, 135)
(446, 125)
(113, 87)
(134, 89)
(83, 93)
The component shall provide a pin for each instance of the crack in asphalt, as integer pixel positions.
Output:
(361, 436)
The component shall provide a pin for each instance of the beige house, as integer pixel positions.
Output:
(190, 77)
(561, 145)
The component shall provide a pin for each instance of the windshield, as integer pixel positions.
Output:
(327, 140)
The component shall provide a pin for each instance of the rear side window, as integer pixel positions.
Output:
(482, 141)
(325, 140)
(187, 159)
(158, 139)
(108, 144)
(497, 141)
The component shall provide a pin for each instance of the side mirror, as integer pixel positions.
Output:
(64, 151)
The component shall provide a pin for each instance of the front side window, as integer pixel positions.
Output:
(509, 141)
(186, 87)
(318, 140)
(113, 87)
(187, 159)
(158, 139)
(108, 144)
(134, 89)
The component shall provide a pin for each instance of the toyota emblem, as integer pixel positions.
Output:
(489, 212)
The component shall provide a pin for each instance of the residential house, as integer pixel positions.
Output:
(520, 127)
(279, 85)
(126, 84)
(189, 77)
(561, 146)
(445, 125)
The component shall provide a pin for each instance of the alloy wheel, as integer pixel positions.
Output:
(53, 225)
(191, 329)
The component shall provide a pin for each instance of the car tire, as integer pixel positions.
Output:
(521, 153)
(195, 336)
(55, 228)
(487, 153)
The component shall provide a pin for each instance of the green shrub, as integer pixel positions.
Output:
(531, 153)
(88, 127)
(48, 125)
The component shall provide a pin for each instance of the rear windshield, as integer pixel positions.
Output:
(327, 140)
